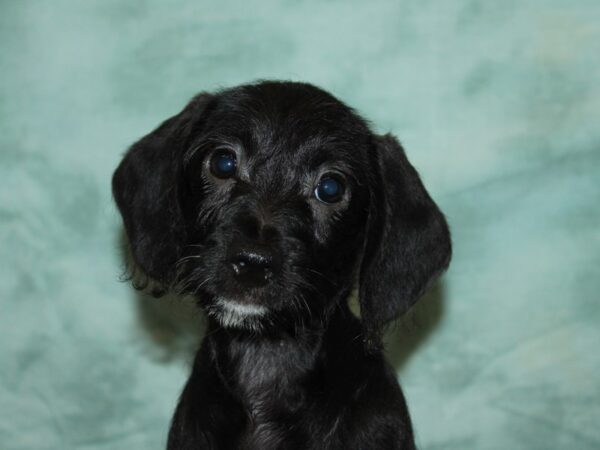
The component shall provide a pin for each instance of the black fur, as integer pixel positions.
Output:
(284, 364)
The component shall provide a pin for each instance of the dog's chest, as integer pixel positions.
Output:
(267, 381)
(265, 373)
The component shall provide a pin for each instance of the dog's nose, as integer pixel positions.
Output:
(253, 267)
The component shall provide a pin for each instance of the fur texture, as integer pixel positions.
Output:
(285, 364)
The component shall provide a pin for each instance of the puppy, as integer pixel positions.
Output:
(270, 203)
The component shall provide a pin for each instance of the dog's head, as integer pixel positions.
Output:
(270, 201)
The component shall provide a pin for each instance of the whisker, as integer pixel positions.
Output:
(187, 258)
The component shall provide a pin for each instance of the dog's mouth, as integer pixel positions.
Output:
(237, 313)
(247, 306)
(242, 294)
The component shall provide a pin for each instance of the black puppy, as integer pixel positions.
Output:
(270, 203)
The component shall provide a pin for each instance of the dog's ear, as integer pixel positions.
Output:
(146, 189)
(407, 240)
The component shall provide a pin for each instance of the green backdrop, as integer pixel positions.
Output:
(498, 105)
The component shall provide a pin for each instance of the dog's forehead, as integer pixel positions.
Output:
(290, 123)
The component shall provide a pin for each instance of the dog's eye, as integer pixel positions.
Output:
(223, 164)
(330, 189)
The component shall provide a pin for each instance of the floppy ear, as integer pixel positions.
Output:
(407, 243)
(146, 189)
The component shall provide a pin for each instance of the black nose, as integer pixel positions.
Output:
(253, 266)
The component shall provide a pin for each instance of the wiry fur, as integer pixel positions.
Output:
(284, 365)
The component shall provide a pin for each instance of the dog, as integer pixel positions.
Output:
(271, 203)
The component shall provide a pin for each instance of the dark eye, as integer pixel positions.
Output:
(223, 164)
(330, 189)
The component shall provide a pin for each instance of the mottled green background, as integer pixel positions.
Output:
(498, 105)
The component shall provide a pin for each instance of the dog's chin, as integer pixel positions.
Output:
(238, 314)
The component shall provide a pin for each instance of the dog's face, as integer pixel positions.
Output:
(269, 201)
(275, 198)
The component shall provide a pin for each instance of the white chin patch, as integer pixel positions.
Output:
(238, 315)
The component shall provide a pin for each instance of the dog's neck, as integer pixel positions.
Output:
(277, 366)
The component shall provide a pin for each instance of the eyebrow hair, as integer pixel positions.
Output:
(211, 141)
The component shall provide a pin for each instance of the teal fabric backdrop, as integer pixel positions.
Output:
(498, 105)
